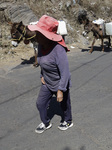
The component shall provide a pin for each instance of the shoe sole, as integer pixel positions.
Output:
(63, 129)
(43, 130)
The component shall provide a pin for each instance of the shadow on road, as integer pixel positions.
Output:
(55, 109)
(97, 48)
(25, 63)
(30, 61)
(81, 148)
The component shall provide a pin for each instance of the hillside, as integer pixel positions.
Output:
(31, 10)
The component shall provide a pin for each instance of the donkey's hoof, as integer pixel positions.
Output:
(35, 64)
(90, 51)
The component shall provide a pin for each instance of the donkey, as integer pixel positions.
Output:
(98, 32)
(20, 32)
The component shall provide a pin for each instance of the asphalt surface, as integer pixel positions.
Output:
(91, 97)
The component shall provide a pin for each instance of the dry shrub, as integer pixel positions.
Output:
(100, 8)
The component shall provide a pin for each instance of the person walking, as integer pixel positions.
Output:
(55, 74)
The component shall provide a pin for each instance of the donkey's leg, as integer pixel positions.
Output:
(91, 50)
(102, 45)
(35, 54)
(109, 42)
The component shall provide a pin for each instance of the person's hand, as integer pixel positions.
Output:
(59, 96)
(42, 80)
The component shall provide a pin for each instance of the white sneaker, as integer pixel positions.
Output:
(41, 127)
(64, 125)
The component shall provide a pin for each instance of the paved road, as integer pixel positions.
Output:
(91, 96)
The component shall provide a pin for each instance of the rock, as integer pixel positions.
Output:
(3, 5)
(17, 13)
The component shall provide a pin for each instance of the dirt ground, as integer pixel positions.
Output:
(10, 56)
(16, 55)
(25, 54)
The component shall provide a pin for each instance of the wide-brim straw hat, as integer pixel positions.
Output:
(48, 27)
